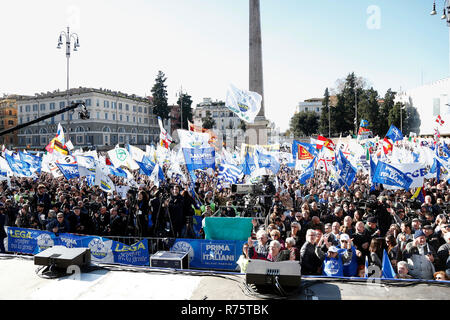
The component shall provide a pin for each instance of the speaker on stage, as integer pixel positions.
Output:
(63, 257)
(266, 273)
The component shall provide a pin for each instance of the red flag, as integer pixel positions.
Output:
(303, 154)
(439, 120)
(387, 145)
(108, 162)
(324, 142)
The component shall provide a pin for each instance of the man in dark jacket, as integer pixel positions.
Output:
(41, 197)
(79, 221)
(310, 257)
(60, 225)
(116, 226)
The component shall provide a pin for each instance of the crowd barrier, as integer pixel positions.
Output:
(203, 254)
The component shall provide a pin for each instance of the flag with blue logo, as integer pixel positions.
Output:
(70, 171)
(245, 104)
(35, 162)
(394, 133)
(344, 169)
(387, 271)
(308, 173)
(389, 175)
(18, 167)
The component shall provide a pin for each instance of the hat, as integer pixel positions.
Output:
(41, 186)
(344, 237)
(76, 207)
(372, 220)
(428, 227)
(41, 204)
(332, 249)
(419, 233)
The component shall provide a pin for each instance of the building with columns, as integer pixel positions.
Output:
(115, 118)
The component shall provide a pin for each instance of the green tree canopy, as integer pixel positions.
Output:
(304, 123)
(159, 93)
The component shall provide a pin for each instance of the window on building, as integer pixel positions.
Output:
(127, 107)
(20, 120)
(42, 107)
(106, 115)
(128, 118)
(114, 116)
(62, 104)
(20, 109)
(79, 139)
(134, 119)
(88, 102)
(140, 109)
(62, 117)
(10, 112)
(120, 106)
(134, 108)
(97, 103)
(35, 107)
(52, 106)
(106, 104)
(436, 106)
(27, 108)
(145, 110)
(10, 122)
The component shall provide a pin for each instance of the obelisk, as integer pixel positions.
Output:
(256, 73)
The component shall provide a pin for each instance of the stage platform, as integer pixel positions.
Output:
(20, 281)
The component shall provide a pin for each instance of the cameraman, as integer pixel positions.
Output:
(172, 210)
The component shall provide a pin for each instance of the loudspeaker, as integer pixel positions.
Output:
(62, 257)
(263, 273)
(170, 259)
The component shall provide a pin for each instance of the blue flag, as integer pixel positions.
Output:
(70, 171)
(344, 169)
(199, 159)
(19, 168)
(117, 172)
(145, 168)
(249, 164)
(387, 271)
(268, 161)
(34, 161)
(311, 148)
(389, 175)
(394, 133)
(308, 173)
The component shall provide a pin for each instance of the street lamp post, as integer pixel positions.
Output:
(181, 106)
(69, 36)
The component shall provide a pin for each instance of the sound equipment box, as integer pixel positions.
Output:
(62, 257)
(262, 272)
(170, 259)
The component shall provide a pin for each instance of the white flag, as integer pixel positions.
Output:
(191, 139)
(245, 104)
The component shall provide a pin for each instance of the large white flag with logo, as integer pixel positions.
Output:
(121, 157)
(245, 104)
(191, 139)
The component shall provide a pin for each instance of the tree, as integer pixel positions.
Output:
(208, 122)
(386, 117)
(159, 92)
(343, 115)
(397, 116)
(412, 121)
(186, 109)
(324, 123)
(369, 108)
(304, 123)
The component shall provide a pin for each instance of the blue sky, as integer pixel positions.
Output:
(202, 46)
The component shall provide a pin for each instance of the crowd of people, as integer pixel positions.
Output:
(341, 232)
